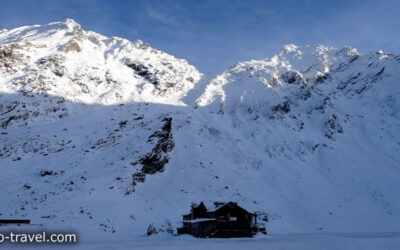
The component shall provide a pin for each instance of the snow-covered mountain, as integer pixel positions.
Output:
(103, 135)
(62, 60)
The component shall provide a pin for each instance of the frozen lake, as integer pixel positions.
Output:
(307, 241)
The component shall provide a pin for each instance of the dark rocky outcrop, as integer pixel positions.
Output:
(55, 63)
(293, 77)
(141, 70)
(322, 78)
(9, 55)
(353, 58)
(333, 126)
(155, 161)
(380, 71)
(280, 109)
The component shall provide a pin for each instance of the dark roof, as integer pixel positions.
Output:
(219, 205)
(231, 204)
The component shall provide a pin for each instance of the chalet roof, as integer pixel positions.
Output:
(218, 205)
(215, 206)
(211, 206)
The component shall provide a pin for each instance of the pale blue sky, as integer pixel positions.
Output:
(213, 35)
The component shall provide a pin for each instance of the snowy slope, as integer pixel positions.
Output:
(322, 125)
(100, 135)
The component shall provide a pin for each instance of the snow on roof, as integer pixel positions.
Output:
(199, 220)
(213, 206)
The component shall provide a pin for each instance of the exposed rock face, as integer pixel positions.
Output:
(155, 161)
(293, 77)
(333, 126)
(73, 46)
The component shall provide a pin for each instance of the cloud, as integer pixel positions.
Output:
(161, 17)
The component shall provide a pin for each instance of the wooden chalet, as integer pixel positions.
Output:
(225, 220)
